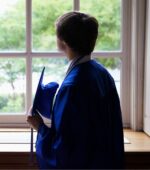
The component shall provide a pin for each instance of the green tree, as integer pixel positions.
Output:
(44, 15)
(12, 71)
(108, 14)
(12, 27)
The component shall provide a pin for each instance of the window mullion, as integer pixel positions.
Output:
(94, 54)
(13, 54)
(28, 51)
(137, 63)
(107, 54)
(76, 5)
(125, 69)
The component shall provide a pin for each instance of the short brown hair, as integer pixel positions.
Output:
(78, 30)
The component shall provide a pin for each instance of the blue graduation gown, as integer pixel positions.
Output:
(86, 127)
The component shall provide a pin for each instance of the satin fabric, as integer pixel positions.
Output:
(86, 127)
(43, 99)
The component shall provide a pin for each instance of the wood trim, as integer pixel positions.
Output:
(146, 75)
(125, 72)
(12, 160)
(137, 63)
(133, 160)
(137, 160)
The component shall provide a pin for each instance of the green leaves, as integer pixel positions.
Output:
(44, 15)
(12, 27)
(108, 14)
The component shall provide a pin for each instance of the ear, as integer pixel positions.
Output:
(61, 45)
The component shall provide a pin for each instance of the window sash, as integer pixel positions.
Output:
(28, 55)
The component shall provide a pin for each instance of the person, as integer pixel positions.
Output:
(86, 130)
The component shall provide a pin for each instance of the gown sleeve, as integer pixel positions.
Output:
(43, 147)
(67, 132)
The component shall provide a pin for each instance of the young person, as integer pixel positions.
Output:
(86, 129)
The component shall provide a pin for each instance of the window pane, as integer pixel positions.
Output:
(55, 70)
(44, 15)
(113, 65)
(108, 13)
(12, 25)
(12, 85)
(57, 67)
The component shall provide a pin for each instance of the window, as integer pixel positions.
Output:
(28, 42)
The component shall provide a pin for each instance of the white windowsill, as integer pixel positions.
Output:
(18, 140)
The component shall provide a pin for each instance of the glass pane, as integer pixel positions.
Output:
(12, 85)
(108, 13)
(57, 67)
(44, 15)
(55, 70)
(12, 25)
(113, 65)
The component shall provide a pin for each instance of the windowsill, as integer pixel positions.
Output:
(139, 141)
(18, 140)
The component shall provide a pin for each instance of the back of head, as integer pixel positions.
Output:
(79, 31)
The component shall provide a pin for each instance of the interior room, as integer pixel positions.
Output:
(28, 43)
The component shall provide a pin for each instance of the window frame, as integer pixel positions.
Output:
(146, 77)
(123, 54)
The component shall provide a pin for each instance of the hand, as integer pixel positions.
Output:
(35, 121)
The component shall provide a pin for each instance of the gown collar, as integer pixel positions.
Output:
(76, 61)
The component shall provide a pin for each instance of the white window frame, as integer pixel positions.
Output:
(146, 115)
(124, 54)
(138, 27)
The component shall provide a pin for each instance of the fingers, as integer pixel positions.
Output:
(34, 121)
(29, 119)
(34, 118)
